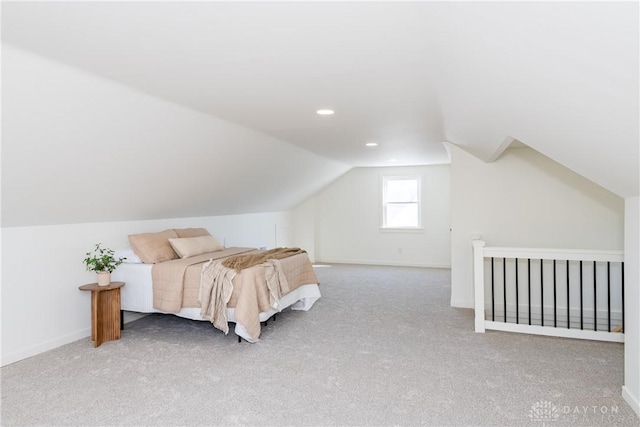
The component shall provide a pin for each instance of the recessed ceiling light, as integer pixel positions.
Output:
(371, 144)
(393, 159)
(325, 112)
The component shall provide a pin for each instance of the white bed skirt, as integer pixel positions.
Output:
(137, 295)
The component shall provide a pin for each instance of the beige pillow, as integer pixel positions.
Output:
(192, 232)
(153, 247)
(191, 246)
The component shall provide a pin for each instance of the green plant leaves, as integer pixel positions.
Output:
(102, 259)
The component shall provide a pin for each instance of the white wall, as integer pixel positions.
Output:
(304, 226)
(346, 217)
(42, 268)
(525, 199)
(631, 388)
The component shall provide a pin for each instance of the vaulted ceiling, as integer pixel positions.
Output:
(562, 77)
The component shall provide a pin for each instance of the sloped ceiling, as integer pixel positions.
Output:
(78, 148)
(562, 77)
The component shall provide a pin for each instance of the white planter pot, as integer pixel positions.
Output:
(104, 278)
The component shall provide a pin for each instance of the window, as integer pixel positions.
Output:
(401, 202)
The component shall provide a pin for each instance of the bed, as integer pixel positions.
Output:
(182, 272)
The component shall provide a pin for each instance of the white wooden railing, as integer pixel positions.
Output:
(555, 292)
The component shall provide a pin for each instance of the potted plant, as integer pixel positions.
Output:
(102, 261)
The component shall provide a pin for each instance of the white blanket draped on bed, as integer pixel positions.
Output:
(218, 282)
(216, 287)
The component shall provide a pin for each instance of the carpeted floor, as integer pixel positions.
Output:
(382, 347)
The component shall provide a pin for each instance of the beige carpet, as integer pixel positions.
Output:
(382, 347)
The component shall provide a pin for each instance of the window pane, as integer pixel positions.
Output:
(402, 215)
(402, 190)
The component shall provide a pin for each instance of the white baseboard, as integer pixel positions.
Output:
(16, 356)
(459, 303)
(633, 401)
(382, 263)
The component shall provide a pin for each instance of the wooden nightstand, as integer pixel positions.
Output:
(106, 320)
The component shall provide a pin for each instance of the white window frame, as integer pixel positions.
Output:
(384, 203)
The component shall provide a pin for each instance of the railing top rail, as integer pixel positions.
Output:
(549, 253)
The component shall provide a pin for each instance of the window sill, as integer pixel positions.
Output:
(402, 229)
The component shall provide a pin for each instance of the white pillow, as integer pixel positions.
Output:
(191, 246)
(129, 254)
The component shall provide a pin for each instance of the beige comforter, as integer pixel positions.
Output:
(177, 284)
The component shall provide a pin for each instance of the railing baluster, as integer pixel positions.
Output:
(493, 309)
(608, 297)
(529, 285)
(517, 300)
(504, 287)
(555, 310)
(568, 300)
(595, 305)
(581, 317)
(541, 292)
